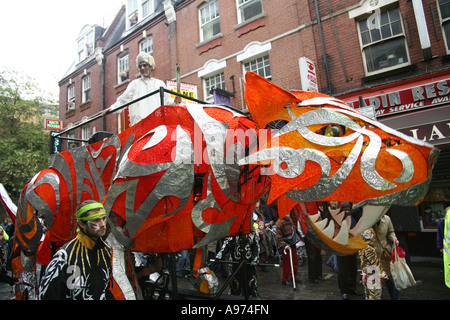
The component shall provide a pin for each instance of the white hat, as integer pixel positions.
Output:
(145, 57)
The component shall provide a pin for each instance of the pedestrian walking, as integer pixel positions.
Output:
(371, 268)
(287, 237)
(385, 238)
(347, 265)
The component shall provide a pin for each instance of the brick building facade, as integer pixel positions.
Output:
(392, 55)
(260, 41)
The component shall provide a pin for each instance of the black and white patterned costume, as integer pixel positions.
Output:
(245, 247)
(80, 270)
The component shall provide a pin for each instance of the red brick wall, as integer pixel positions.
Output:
(82, 109)
(280, 17)
(349, 42)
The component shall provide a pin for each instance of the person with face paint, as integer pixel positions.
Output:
(140, 87)
(81, 269)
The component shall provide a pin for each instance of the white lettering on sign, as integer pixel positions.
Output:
(418, 97)
(437, 133)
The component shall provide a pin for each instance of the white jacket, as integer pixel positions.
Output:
(138, 88)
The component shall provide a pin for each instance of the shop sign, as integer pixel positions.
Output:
(52, 124)
(55, 143)
(435, 133)
(308, 75)
(419, 97)
(186, 89)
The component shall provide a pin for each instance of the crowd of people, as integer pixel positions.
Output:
(272, 239)
(370, 266)
(275, 238)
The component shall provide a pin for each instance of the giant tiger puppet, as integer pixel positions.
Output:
(148, 174)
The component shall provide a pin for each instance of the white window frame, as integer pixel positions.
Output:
(383, 40)
(253, 52)
(146, 45)
(444, 21)
(123, 66)
(85, 133)
(87, 37)
(70, 96)
(86, 88)
(147, 7)
(259, 65)
(81, 50)
(90, 42)
(144, 8)
(241, 5)
(208, 16)
(210, 69)
(217, 79)
(132, 7)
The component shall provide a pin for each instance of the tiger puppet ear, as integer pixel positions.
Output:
(267, 102)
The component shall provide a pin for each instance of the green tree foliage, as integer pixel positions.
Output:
(24, 143)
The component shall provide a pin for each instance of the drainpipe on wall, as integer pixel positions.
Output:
(171, 16)
(421, 22)
(100, 58)
(325, 60)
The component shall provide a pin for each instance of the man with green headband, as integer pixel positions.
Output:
(81, 269)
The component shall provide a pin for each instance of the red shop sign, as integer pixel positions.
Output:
(414, 98)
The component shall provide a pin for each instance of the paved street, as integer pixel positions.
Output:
(427, 272)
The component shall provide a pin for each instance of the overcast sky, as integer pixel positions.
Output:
(38, 38)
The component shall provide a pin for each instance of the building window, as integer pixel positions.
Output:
(444, 14)
(86, 87)
(71, 97)
(137, 10)
(209, 20)
(85, 133)
(383, 42)
(147, 46)
(147, 7)
(81, 54)
(85, 43)
(123, 67)
(248, 9)
(214, 81)
(132, 13)
(260, 66)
